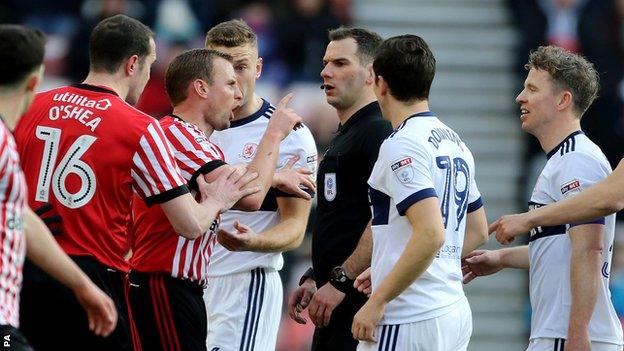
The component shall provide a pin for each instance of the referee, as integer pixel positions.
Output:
(343, 211)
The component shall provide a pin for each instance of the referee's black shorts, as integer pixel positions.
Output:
(12, 340)
(169, 313)
(52, 319)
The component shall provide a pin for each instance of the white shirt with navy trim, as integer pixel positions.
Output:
(423, 158)
(239, 144)
(574, 165)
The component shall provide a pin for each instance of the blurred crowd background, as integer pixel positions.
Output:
(481, 47)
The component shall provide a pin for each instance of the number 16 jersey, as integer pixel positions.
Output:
(423, 158)
(86, 151)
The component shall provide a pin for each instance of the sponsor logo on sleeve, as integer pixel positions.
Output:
(571, 186)
(403, 169)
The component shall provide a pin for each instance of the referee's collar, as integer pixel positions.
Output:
(369, 109)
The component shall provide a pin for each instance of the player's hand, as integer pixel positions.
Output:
(284, 119)
(510, 226)
(291, 181)
(578, 341)
(299, 300)
(100, 309)
(51, 219)
(366, 320)
(230, 186)
(363, 282)
(242, 240)
(479, 263)
(323, 304)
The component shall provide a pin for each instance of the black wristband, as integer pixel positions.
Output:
(339, 280)
(308, 274)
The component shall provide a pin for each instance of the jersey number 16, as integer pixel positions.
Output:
(69, 164)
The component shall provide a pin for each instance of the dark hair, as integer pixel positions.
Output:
(231, 34)
(367, 41)
(115, 39)
(21, 52)
(568, 71)
(188, 66)
(407, 65)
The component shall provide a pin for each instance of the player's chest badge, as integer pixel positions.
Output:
(330, 186)
(248, 151)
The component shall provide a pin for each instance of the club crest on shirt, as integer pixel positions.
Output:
(330, 186)
(570, 186)
(403, 169)
(249, 150)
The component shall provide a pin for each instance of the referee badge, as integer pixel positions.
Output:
(330, 186)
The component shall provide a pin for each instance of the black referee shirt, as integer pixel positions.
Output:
(343, 208)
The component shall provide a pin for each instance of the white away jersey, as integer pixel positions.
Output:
(572, 166)
(239, 144)
(422, 158)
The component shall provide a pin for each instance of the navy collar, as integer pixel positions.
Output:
(419, 114)
(252, 117)
(95, 88)
(561, 144)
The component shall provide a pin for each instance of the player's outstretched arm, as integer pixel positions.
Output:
(602, 199)
(476, 231)
(585, 276)
(284, 236)
(427, 238)
(44, 251)
(480, 263)
(264, 163)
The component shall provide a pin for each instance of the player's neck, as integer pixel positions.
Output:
(11, 108)
(189, 113)
(367, 98)
(109, 81)
(396, 111)
(251, 107)
(554, 135)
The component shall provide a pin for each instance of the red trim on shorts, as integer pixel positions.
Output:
(169, 315)
(134, 332)
(162, 329)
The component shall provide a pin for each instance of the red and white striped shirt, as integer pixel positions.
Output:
(86, 151)
(12, 242)
(157, 248)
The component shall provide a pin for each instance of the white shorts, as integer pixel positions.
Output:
(244, 310)
(548, 344)
(449, 332)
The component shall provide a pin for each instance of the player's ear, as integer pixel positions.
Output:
(565, 100)
(381, 86)
(131, 65)
(259, 65)
(35, 78)
(201, 88)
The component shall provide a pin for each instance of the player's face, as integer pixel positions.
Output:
(224, 95)
(142, 76)
(538, 102)
(343, 76)
(247, 67)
